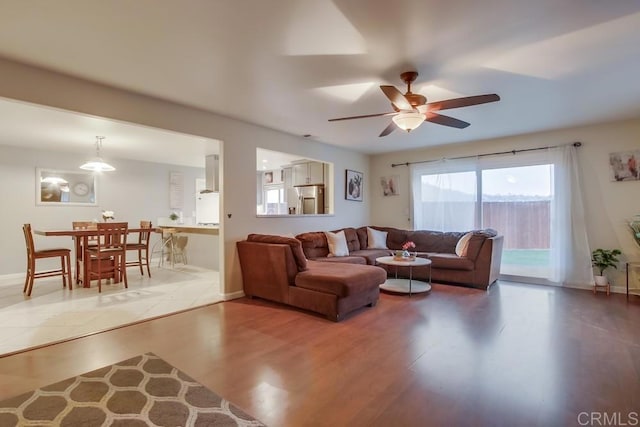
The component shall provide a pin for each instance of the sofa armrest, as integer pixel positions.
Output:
(487, 263)
(268, 269)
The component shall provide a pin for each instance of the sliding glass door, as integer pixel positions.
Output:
(514, 200)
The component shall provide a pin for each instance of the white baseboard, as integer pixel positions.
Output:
(616, 289)
(12, 276)
(232, 295)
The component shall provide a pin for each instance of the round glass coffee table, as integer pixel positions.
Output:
(405, 286)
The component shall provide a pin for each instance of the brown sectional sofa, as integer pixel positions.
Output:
(275, 268)
(479, 268)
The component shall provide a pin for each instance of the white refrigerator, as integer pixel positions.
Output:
(208, 208)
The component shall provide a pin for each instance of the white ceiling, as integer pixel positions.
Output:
(291, 64)
(33, 126)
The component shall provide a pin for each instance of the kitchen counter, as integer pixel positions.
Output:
(194, 229)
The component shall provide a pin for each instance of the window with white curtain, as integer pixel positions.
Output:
(528, 198)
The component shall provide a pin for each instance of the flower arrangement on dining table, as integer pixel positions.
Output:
(107, 215)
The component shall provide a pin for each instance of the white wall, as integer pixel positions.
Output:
(608, 205)
(135, 191)
(238, 152)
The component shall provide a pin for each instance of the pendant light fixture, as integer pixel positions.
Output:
(97, 164)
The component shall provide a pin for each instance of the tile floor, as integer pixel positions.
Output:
(53, 313)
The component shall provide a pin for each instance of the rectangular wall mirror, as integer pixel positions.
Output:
(66, 188)
(287, 184)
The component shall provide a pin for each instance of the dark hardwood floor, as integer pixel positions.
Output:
(518, 355)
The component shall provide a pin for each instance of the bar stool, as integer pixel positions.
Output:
(180, 248)
(166, 247)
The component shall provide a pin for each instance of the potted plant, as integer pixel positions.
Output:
(603, 259)
(174, 216)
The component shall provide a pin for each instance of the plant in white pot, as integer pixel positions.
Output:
(603, 259)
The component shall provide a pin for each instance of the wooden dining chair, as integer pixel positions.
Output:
(142, 247)
(78, 245)
(108, 259)
(33, 255)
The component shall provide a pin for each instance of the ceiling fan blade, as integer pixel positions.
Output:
(396, 97)
(462, 102)
(445, 120)
(392, 126)
(363, 117)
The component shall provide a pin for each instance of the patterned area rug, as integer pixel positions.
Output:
(142, 391)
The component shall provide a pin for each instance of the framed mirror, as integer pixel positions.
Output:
(65, 188)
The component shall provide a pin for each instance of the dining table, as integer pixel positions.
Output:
(81, 237)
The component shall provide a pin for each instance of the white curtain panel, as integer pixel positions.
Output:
(444, 195)
(570, 251)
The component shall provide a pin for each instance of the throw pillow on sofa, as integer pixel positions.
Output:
(463, 244)
(337, 243)
(376, 239)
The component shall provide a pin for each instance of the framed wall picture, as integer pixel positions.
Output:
(389, 185)
(353, 186)
(65, 188)
(624, 165)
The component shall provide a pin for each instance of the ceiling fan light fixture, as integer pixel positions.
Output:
(97, 164)
(408, 120)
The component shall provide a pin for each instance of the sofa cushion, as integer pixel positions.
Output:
(334, 278)
(294, 244)
(376, 239)
(435, 241)
(343, 259)
(337, 243)
(314, 244)
(370, 255)
(351, 235)
(395, 236)
(450, 262)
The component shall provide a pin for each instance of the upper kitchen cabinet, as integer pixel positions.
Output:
(308, 173)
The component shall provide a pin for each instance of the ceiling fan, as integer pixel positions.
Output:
(412, 109)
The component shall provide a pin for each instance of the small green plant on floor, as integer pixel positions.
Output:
(605, 258)
(174, 216)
